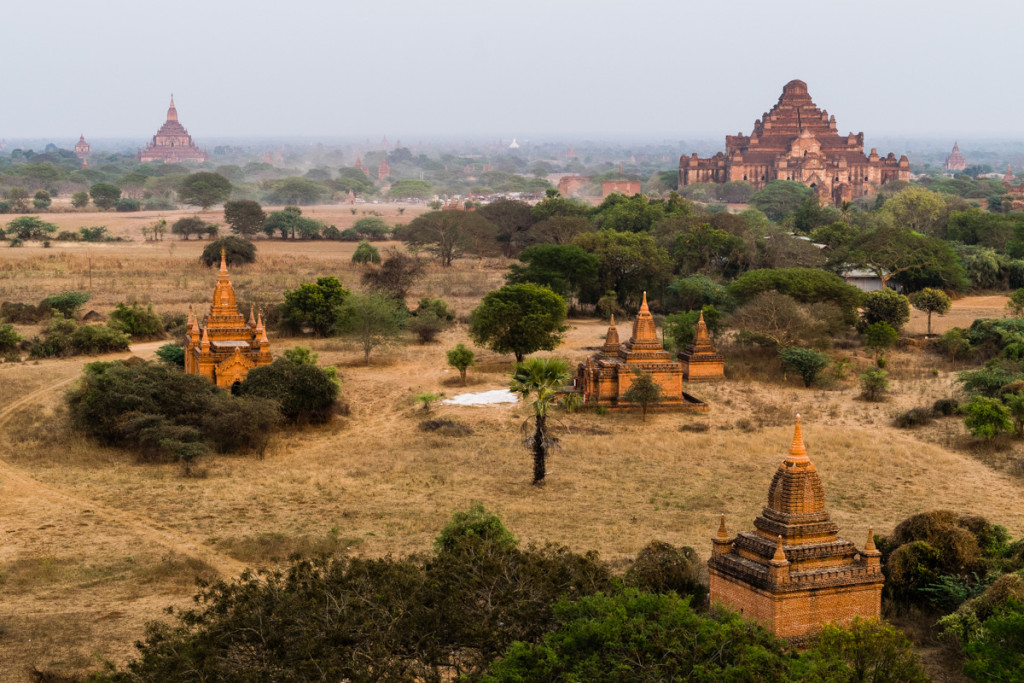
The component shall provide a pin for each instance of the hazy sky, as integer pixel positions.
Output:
(492, 69)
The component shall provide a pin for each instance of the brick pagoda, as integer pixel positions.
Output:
(172, 143)
(792, 573)
(955, 161)
(606, 376)
(701, 362)
(82, 148)
(226, 347)
(797, 141)
(383, 171)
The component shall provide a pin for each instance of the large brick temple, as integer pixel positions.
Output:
(793, 573)
(172, 143)
(226, 347)
(797, 141)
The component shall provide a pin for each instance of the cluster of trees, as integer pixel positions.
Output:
(480, 607)
(970, 574)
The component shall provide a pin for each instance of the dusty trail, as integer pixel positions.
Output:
(145, 528)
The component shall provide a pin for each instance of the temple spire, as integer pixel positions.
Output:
(722, 533)
(643, 304)
(779, 557)
(223, 262)
(797, 450)
(172, 113)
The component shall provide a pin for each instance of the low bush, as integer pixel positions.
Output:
(946, 407)
(139, 321)
(662, 567)
(303, 392)
(915, 417)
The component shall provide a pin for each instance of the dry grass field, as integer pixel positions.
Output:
(93, 544)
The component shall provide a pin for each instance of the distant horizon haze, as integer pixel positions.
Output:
(455, 68)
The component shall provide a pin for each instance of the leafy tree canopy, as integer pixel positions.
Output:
(204, 189)
(519, 319)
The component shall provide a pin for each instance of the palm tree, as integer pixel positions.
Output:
(542, 377)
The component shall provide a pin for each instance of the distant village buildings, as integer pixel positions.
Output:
(172, 143)
(798, 141)
(955, 161)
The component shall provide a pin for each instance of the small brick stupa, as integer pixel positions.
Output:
(606, 376)
(701, 363)
(226, 347)
(792, 573)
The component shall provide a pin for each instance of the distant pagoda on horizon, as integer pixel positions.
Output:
(955, 161)
(172, 143)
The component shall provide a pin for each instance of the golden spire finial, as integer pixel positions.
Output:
(612, 323)
(701, 318)
(223, 260)
(869, 547)
(722, 533)
(780, 554)
(643, 305)
(797, 450)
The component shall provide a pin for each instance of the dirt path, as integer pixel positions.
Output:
(147, 529)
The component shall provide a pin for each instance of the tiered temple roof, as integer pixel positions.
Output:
(793, 572)
(701, 362)
(226, 347)
(798, 141)
(955, 161)
(172, 143)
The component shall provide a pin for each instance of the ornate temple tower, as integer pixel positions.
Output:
(82, 147)
(383, 171)
(955, 161)
(792, 573)
(701, 362)
(226, 347)
(172, 143)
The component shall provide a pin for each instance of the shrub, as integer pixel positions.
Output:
(94, 339)
(366, 253)
(682, 327)
(885, 305)
(1015, 305)
(303, 392)
(874, 383)
(64, 337)
(313, 305)
(999, 654)
(805, 285)
(865, 650)
(66, 303)
(461, 358)
(80, 200)
(915, 417)
(439, 307)
(172, 354)
(946, 406)
(426, 325)
(661, 567)
(126, 205)
(91, 234)
(806, 362)
(395, 276)
(987, 417)
(10, 340)
(880, 336)
(138, 321)
(237, 251)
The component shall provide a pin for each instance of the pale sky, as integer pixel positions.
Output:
(491, 69)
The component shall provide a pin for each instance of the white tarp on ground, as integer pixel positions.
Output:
(483, 398)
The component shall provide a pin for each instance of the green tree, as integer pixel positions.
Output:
(902, 253)
(188, 226)
(880, 336)
(955, 343)
(519, 319)
(371, 228)
(634, 636)
(461, 358)
(136, 320)
(780, 198)
(865, 650)
(643, 391)
(41, 200)
(541, 378)
(172, 354)
(303, 392)
(1015, 305)
(805, 285)
(204, 189)
(18, 196)
(885, 305)
(987, 417)
(67, 303)
(411, 189)
(564, 268)
(999, 654)
(284, 221)
(874, 383)
(245, 216)
(630, 264)
(313, 305)
(808, 363)
(513, 219)
(395, 277)
(365, 253)
(238, 251)
(448, 234)
(1015, 403)
(80, 200)
(30, 228)
(10, 341)
(104, 195)
(628, 214)
(373, 320)
(918, 209)
(681, 327)
(295, 191)
(931, 301)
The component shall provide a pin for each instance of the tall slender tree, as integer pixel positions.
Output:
(541, 378)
